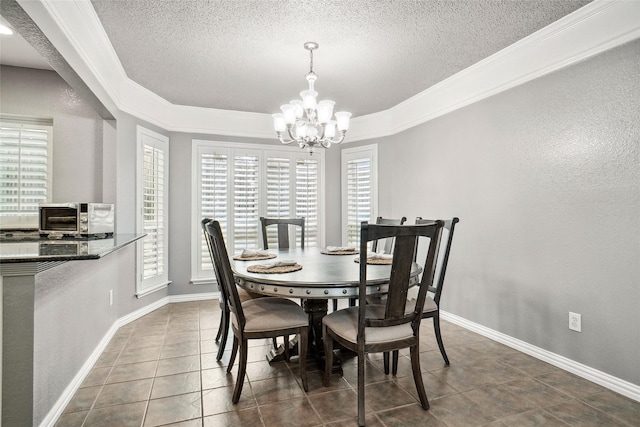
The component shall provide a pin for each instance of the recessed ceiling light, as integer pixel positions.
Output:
(5, 30)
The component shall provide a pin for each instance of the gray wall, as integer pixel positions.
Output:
(92, 161)
(546, 181)
(77, 129)
(72, 316)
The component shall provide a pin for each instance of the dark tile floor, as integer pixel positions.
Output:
(161, 370)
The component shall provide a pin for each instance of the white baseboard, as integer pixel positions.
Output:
(618, 385)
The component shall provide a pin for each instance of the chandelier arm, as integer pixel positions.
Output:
(293, 138)
(339, 140)
(282, 139)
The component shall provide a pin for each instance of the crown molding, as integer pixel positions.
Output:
(592, 29)
(75, 30)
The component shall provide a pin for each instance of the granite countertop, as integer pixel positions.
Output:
(66, 249)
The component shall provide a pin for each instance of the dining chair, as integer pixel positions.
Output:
(282, 225)
(255, 318)
(432, 302)
(370, 328)
(387, 245)
(283, 230)
(223, 327)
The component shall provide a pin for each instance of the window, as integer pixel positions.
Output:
(153, 208)
(25, 169)
(236, 184)
(359, 191)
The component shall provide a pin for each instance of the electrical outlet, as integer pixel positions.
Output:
(110, 297)
(575, 322)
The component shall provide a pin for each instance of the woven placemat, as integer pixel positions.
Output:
(254, 258)
(339, 252)
(376, 261)
(273, 270)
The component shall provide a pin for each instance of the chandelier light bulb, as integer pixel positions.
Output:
(278, 122)
(325, 110)
(342, 117)
(297, 103)
(289, 113)
(306, 121)
(309, 99)
(330, 129)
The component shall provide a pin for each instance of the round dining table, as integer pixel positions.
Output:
(323, 276)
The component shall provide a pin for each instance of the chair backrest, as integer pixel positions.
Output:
(283, 230)
(388, 243)
(207, 239)
(443, 254)
(406, 238)
(224, 274)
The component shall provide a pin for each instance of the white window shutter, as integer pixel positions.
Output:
(278, 193)
(307, 196)
(246, 206)
(153, 205)
(214, 184)
(359, 168)
(236, 184)
(153, 212)
(24, 173)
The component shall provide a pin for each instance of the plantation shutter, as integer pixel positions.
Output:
(237, 184)
(246, 175)
(307, 194)
(278, 193)
(214, 197)
(359, 197)
(24, 172)
(154, 211)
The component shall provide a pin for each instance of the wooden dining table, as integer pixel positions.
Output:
(322, 277)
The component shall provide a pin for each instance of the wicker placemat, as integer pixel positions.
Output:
(324, 251)
(376, 261)
(254, 257)
(274, 270)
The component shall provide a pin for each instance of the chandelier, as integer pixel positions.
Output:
(308, 122)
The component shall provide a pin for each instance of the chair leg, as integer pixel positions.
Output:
(417, 376)
(234, 351)
(328, 354)
(223, 332)
(385, 361)
(436, 327)
(224, 310)
(394, 365)
(220, 327)
(302, 356)
(242, 369)
(361, 414)
(286, 348)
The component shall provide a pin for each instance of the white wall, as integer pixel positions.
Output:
(546, 181)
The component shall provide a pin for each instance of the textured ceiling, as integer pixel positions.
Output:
(248, 55)
(16, 51)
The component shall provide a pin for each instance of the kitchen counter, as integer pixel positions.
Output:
(66, 249)
(22, 260)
